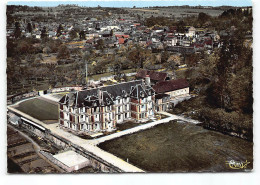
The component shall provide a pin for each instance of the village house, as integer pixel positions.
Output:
(191, 32)
(153, 75)
(100, 109)
(170, 41)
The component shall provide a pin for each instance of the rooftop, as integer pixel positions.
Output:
(171, 85)
(70, 158)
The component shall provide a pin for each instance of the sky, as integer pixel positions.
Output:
(95, 3)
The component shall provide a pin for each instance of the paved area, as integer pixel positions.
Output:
(131, 130)
(181, 118)
(70, 158)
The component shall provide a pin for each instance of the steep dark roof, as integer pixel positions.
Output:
(154, 75)
(108, 94)
(171, 85)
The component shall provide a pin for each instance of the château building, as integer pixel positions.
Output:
(101, 109)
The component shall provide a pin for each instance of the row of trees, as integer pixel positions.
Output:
(224, 78)
(241, 19)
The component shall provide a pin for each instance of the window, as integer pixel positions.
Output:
(119, 117)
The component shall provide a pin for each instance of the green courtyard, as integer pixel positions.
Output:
(43, 110)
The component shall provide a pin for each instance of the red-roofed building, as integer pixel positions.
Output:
(137, 24)
(169, 90)
(154, 75)
(121, 40)
(122, 36)
(172, 87)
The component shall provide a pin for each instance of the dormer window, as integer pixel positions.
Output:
(108, 101)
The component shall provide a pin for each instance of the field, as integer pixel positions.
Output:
(180, 147)
(42, 110)
(177, 12)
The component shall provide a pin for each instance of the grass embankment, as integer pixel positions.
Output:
(40, 109)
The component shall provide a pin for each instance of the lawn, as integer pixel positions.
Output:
(98, 76)
(180, 147)
(127, 125)
(42, 110)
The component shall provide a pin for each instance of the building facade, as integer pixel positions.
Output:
(100, 109)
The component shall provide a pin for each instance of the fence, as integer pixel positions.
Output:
(15, 98)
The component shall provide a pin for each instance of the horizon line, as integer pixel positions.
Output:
(137, 4)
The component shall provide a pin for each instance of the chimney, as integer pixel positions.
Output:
(100, 96)
(147, 80)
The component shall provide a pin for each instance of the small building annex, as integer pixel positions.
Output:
(153, 75)
(169, 90)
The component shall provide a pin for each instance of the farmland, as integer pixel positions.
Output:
(177, 12)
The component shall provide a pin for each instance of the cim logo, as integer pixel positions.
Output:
(237, 165)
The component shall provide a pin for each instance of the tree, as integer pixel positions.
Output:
(24, 47)
(44, 33)
(11, 47)
(63, 52)
(111, 32)
(29, 27)
(172, 63)
(54, 45)
(17, 31)
(192, 59)
(165, 56)
(203, 17)
(181, 26)
(59, 30)
(115, 63)
(100, 44)
(73, 34)
(139, 56)
(82, 35)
